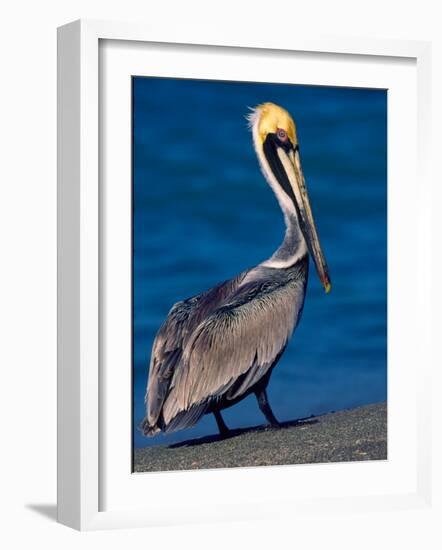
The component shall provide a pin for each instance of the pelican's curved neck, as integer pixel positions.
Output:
(292, 248)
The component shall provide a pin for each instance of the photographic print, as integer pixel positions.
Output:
(259, 274)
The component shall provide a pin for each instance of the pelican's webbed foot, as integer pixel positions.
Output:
(264, 405)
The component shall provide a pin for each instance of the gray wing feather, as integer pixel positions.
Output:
(166, 356)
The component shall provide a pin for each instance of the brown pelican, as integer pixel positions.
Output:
(216, 348)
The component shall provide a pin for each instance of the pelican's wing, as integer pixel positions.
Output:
(166, 356)
(232, 349)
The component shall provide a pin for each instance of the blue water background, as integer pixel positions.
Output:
(203, 213)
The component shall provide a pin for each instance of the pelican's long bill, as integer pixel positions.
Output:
(285, 163)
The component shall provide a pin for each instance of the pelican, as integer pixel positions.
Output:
(218, 347)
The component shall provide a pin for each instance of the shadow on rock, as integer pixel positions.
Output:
(240, 431)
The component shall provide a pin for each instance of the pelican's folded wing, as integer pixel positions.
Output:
(166, 356)
(171, 339)
(232, 349)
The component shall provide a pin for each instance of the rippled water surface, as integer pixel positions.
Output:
(203, 213)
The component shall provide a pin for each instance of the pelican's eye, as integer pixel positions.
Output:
(282, 135)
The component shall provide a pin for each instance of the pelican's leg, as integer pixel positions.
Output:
(263, 402)
(223, 429)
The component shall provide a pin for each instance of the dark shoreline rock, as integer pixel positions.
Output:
(350, 435)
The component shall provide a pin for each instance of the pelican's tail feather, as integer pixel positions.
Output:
(147, 429)
(186, 419)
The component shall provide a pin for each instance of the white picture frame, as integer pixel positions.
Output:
(81, 445)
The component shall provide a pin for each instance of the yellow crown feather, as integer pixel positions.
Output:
(269, 117)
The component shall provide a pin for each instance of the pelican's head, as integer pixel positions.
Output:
(276, 145)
